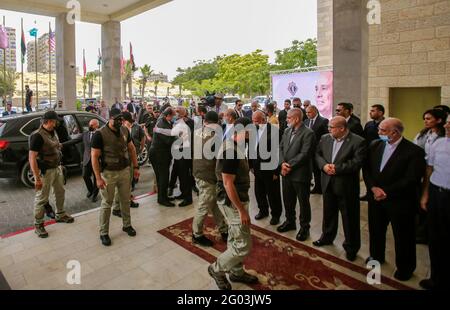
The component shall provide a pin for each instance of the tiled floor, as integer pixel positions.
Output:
(147, 261)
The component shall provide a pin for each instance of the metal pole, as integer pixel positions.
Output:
(21, 62)
(4, 52)
(49, 65)
(36, 67)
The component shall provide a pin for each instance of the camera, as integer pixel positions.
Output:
(209, 100)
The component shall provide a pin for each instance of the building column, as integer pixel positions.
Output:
(66, 83)
(111, 79)
(350, 54)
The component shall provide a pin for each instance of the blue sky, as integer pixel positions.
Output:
(177, 33)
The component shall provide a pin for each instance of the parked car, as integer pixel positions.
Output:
(230, 101)
(15, 131)
(46, 104)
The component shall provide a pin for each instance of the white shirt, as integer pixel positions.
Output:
(261, 129)
(312, 121)
(389, 149)
(239, 113)
(439, 159)
(227, 131)
(337, 144)
(347, 119)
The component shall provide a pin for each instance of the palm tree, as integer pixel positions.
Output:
(146, 72)
(7, 84)
(91, 77)
(156, 82)
(85, 82)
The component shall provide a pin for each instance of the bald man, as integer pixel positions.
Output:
(267, 182)
(393, 173)
(88, 173)
(340, 156)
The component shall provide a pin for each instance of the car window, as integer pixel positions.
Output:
(2, 127)
(31, 126)
(71, 125)
(84, 120)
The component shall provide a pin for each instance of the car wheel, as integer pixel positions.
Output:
(143, 157)
(26, 175)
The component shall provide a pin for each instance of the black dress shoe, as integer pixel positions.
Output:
(89, 194)
(402, 276)
(261, 215)
(274, 221)
(117, 213)
(134, 204)
(130, 231)
(427, 284)
(202, 240)
(166, 203)
(350, 256)
(94, 198)
(185, 203)
(320, 242)
(106, 241)
(286, 226)
(363, 198)
(195, 189)
(370, 258)
(302, 235)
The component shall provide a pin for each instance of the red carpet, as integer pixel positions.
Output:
(283, 264)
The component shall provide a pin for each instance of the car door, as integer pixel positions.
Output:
(71, 153)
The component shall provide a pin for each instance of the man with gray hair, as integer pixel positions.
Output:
(393, 173)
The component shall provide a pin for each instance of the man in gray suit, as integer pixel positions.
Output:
(296, 158)
(88, 173)
(340, 156)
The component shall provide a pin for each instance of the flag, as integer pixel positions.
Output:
(33, 32)
(84, 65)
(51, 40)
(99, 60)
(122, 62)
(23, 47)
(133, 65)
(4, 42)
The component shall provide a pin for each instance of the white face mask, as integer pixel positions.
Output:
(384, 138)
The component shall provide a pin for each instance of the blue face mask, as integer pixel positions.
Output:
(384, 138)
(174, 119)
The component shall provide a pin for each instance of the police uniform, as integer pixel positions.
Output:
(46, 144)
(206, 179)
(115, 163)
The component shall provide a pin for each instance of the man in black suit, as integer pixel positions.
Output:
(297, 103)
(345, 110)
(267, 182)
(296, 156)
(392, 173)
(160, 156)
(88, 172)
(319, 125)
(282, 116)
(340, 156)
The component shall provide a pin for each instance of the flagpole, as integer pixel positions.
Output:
(4, 51)
(84, 79)
(49, 65)
(21, 61)
(36, 67)
(100, 74)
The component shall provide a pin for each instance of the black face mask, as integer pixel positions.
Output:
(117, 123)
(91, 128)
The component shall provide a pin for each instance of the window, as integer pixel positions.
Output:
(71, 125)
(31, 126)
(84, 120)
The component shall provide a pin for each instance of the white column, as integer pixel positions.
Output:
(111, 79)
(66, 85)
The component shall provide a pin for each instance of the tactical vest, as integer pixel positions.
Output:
(242, 179)
(115, 155)
(205, 169)
(50, 153)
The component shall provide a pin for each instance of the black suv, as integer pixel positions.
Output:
(14, 133)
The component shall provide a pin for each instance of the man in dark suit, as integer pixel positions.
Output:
(392, 173)
(254, 107)
(340, 156)
(297, 103)
(160, 156)
(9, 110)
(319, 125)
(296, 156)
(267, 182)
(345, 110)
(282, 116)
(88, 172)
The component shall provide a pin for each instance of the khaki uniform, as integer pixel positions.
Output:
(49, 160)
(116, 203)
(205, 176)
(116, 173)
(239, 238)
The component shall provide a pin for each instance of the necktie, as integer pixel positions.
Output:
(311, 123)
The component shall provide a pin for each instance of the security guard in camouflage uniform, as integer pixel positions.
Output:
(45, 162)
(233, 200)
(111, 152)
(205, 177)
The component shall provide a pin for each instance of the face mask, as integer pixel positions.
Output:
(384, 138)
(117, 124)
(91, 128)
(174, 119)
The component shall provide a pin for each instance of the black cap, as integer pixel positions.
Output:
(244, 121)
(50, 115)
(115, 112)
(212, 117)
(127, 116)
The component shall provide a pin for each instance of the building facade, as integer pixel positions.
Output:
(43, 56)
(10, 51)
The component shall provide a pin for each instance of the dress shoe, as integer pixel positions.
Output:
(274, 221)
(220, 278)
(320, 242)
(195, 189)
(117, 213)
(224, 237)
(202, 240)
(302, 235)
(106, 241)
(363, 198)
(94, 198)
(185, 203)
(261, 215)
(134, 204)
(370, 258)
(244, 278)
(427, 284)
(130, 231)
(89, 194)
(286, 226)
(350, 256)
(166, 203)
(402, 276)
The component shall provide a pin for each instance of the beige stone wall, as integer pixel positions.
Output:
(411, 47)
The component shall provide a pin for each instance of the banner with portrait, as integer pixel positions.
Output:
(314, 86)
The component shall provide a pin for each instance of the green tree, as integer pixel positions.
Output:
(7, 83)
(146, 72)
(90, 79)
(302, 54)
